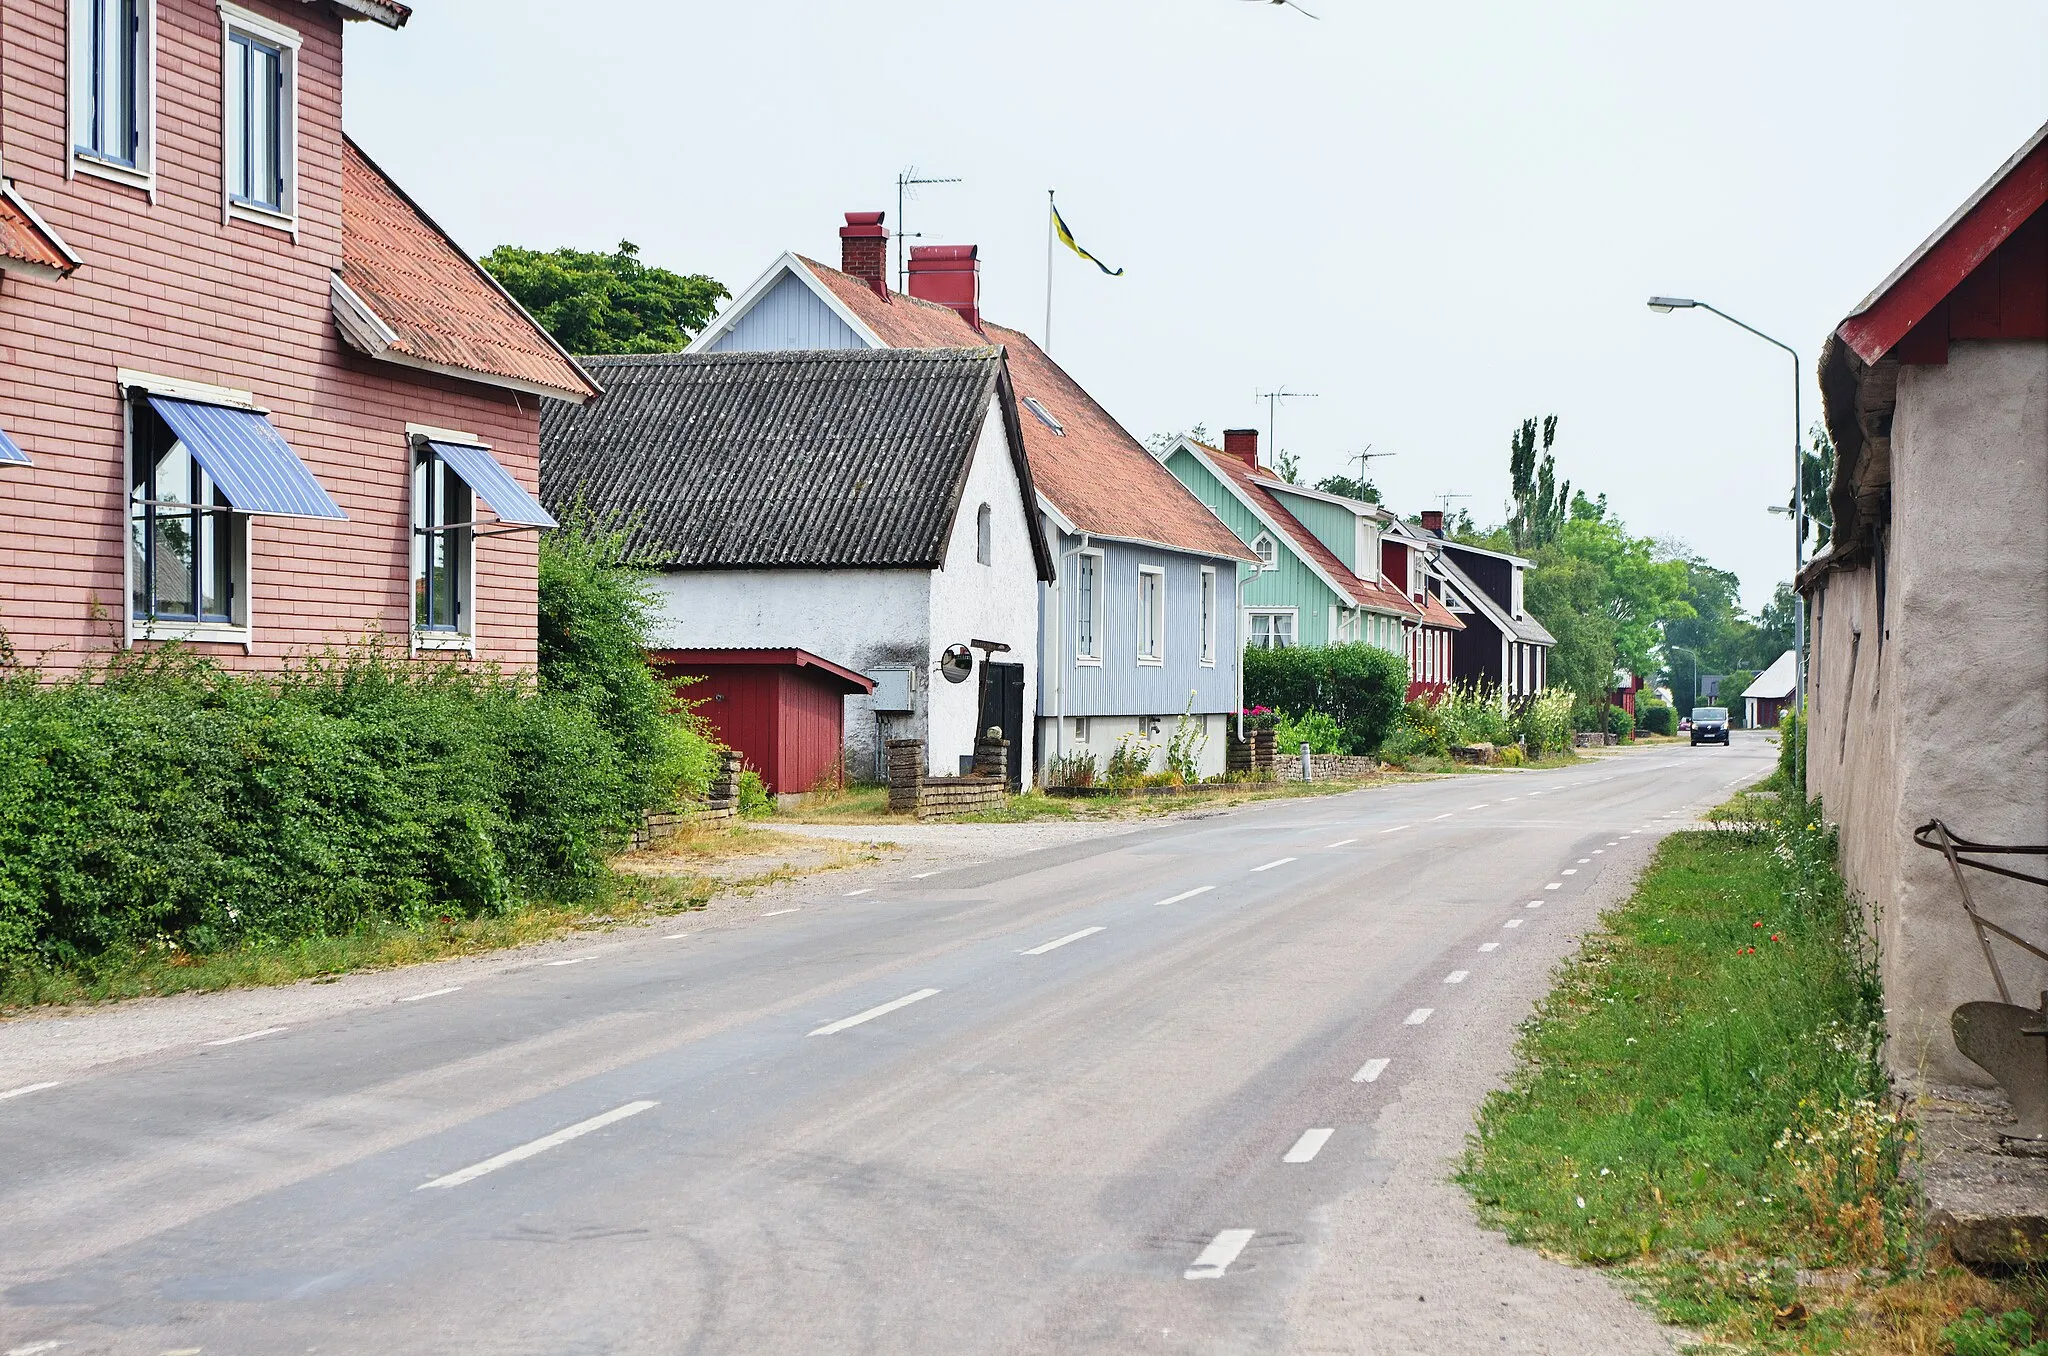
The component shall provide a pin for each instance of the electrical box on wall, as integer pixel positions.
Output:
(892, 689)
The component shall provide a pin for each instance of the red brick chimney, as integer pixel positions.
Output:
(1433, 521)
(1242, 443)
(949, 275)
(864, 250)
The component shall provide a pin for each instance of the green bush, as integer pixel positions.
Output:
(1792, 735)
(1361, 687)
(1545, 723)
(753, 794)
(1319, 731)
(1655, 717)
(1977, 1333)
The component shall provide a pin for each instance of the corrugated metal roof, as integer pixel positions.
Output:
(847, 458)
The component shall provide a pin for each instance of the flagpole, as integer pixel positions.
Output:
(1049, 239)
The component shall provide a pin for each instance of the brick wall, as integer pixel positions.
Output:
(168, 288)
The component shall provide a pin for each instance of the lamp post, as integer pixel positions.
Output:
(1664, 305)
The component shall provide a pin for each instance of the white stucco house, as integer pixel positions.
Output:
(870, 508)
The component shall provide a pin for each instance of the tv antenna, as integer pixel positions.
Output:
(1273, 399)
(1444, 501)
(906, 187)
(1366, 458)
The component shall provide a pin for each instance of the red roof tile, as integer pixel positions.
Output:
(1100, 478)
(1434, 613)
(1370, 593)
(444, 310)
(28, 244)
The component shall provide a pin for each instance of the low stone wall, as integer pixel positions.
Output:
(1591, 739)
(1253, 755)
(950, 797)
(722, 804)
(1328, 767)
(911, 792)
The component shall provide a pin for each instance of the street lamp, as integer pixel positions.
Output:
(1665, 305)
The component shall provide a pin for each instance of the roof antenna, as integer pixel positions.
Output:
(1365, 458)
(1273, 399)
(906, 187)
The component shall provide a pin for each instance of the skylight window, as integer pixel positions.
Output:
(1045, 417)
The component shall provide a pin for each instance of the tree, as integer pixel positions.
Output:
(1286, 467)
(1816, 475)
(1362, 490)
(1160, 442)
(1568, 595)
(606, 303)
(1539, 501)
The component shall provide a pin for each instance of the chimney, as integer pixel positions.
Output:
(949, 275)
(1433, 522)
(1242, 443)
(864, 250)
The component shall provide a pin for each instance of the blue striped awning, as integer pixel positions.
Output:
(10, 453)
(493, 484)
(248, 459)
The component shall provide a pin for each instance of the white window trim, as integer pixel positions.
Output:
(1272, 545)
(1293, 614)
(240, 632)
(234, 18)
(1209, 598)
(418, 640)
(1094, 660)
(1158, 624)
(143, 176)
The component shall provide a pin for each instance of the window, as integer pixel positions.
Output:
(1272, 630)
(1416, 584)
(982, 550)
(186, 562)
(1151, 615)
(442, 536)
(1087, 607)
(1081, 729)
(1268, 553)
(258, 99)
(1451, 600)
(1059, 430)
(111, 87)
(1208, 615)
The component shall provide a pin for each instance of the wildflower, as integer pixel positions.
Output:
(1776, 938)
(1758, 923)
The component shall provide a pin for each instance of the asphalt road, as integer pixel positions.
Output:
(1190, 1089)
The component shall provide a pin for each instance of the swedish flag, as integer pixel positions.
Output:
(1059, 226)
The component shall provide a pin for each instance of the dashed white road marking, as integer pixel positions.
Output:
(1584, 860)
(1535, 903)
(872, 1013)
(1599, 852)
(1308, 1146)
(1278, 861)
(922, 874)
(573, 960)
(1418, 1017)
(1456, 976)
(1569, 871)
(1060, 941)
(864, 890)
(1512, 923)
(1446, 815)
(1480, 806)
(25, 1090)
(1506, 799)
(34, 1348)
(1370, 1071)
(1555, 885)
(1396, 829)
(777, 913)
(431, 993)
(249, 1035)
(1186, 894)
(1217, 1257)
(1343, 842)
(541, 1145)
(1489, 946)
(672, 936)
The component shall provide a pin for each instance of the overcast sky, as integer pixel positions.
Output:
(1440, 218)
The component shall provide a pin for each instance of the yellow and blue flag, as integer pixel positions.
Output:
(1066, 236)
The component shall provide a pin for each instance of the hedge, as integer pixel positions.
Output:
(1361, 687)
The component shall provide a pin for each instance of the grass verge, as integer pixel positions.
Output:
(1701, 1106)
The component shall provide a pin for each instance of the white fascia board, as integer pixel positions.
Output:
(1357, 506)
(788, 265)
(1059, 520)
(1280, 534)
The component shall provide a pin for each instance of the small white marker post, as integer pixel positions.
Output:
(1217, 1257)
(1370, 1071)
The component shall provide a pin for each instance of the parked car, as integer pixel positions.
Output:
(1709, 725)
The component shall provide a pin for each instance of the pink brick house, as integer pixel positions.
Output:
(252, 397)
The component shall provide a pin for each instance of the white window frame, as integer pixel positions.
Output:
(1417, 585)
(1092, 658)
(1267, 550)
(1080, 729)
(241, 629)
(1517, 591)
(1152, 617)
(1208, 616)
(1293, 616)
(463, 639)
(1367, 536)
(78, 97)
(234, 19)
(1449, 598)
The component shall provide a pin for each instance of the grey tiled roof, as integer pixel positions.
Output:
(845, 458)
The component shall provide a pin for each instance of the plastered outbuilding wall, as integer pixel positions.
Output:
(1935, 704)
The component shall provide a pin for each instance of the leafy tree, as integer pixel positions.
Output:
(1568, 595)
(1160, 442)
(1776, 626)
(1286, 467)
(606, 303)
(1539, 506)
(1816, 474)
(1363, 490)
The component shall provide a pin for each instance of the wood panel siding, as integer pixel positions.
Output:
(789, 316)
(1293, 584)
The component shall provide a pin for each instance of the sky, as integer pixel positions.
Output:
(1440, 219)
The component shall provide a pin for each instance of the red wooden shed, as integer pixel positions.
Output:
(782, 710)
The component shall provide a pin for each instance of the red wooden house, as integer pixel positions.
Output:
(782, 710)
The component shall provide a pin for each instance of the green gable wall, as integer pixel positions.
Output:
(1293, 584)
(1334, 526)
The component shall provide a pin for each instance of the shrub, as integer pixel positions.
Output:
(1361, 687)
(1792, 735)
(754, 797)
(1545, 723)
(1654, 717)
(1072, 769)
(1129, 762)
(1320, 732)
(1184, 747)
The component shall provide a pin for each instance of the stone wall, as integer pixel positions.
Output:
(1328, 767)
(719, 806)
(950, 797)
(911, 791)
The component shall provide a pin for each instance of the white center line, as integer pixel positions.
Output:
(1555, 885)
(777, 913)
(1186, 894)
(1308, 1146)
(573, 960)
(1535, 903)
(1506, 799)
(1396, 829)
(25, 1090)
(922, 874)
(1535, 793)
(1282, 861)
(541, 1145)
(1447, 814)
(1370, 1071)
(1060, 941)
(250, 1035)
(1343, 842)
(431, 993)
(1480, 806)
(1599, 852)
(1569, 871)
(1489, 946)
(1512, 923)
(1418, 1017)
(864, 890)
(1584, 860)
(1456, 976)
(872, 1013)
(1221, 1252)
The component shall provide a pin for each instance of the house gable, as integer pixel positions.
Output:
(793, 312)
